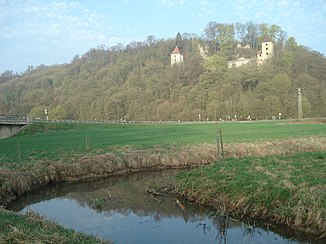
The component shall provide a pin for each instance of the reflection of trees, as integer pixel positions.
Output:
(222, 224)
(250, 231)
(126, 195)
(130, 197)
(82, 188)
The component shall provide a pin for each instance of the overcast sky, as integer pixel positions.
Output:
(35, 32)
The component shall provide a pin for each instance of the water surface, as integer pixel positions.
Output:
(119, 209)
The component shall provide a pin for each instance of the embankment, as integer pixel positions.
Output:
(14, 183)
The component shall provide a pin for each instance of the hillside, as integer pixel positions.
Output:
(137, 82)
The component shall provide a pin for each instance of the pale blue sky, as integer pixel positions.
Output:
(35, 32)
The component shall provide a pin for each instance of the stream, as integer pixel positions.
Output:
(118, 209)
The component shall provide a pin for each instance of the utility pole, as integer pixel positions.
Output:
(300, 111)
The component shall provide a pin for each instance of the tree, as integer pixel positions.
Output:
(38, 112)
(270, 106)
(6, 75)
(150, 40)
(226, 37)
(220, 36)
(215, 63)
(291, 44)
(57, 113)
(241, 33)
(252, 35)
(211, 34)
(29, 70)
(179, 41)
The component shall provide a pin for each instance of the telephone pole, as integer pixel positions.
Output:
(300, 111)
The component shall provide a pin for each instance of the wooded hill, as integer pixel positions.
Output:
(137, 82)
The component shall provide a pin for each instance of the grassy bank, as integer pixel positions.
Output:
(287, 189)
(30, 228)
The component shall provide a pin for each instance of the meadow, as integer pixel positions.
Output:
(50, 142)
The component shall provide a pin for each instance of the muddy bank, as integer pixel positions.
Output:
(14, 183)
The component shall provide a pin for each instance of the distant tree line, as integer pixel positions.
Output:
(137, 82)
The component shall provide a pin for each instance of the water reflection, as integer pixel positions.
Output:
(118, 209)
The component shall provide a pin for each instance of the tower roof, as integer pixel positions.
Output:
(267, 39)
(176, 50)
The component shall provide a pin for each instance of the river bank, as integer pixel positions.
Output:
(16, 181)
(279, 189)
(31, 228)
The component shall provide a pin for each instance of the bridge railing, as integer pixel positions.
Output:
(13, 119)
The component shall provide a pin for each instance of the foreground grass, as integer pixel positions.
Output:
(31, 228)
(284, 189)
(51, 142)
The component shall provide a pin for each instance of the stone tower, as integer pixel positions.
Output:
(176, 57)
(267, 51)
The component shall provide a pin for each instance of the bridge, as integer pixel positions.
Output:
(11, 124)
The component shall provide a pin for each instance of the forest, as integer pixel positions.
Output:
(137, 82)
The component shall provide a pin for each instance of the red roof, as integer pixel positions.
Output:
(176, 50)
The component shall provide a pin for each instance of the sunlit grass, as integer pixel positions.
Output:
(42, 141)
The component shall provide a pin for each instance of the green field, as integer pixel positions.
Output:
(41, 141)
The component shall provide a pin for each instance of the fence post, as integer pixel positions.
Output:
(219, 142)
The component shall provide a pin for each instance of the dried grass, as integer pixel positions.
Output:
(260, 149)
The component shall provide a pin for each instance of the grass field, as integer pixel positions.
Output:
(42, 141)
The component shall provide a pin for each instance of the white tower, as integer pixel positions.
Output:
(176, 57)
(267, 51)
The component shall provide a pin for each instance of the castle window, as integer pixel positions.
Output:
(267, 53)
(266, 48)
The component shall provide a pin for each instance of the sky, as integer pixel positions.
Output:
(35, 32)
